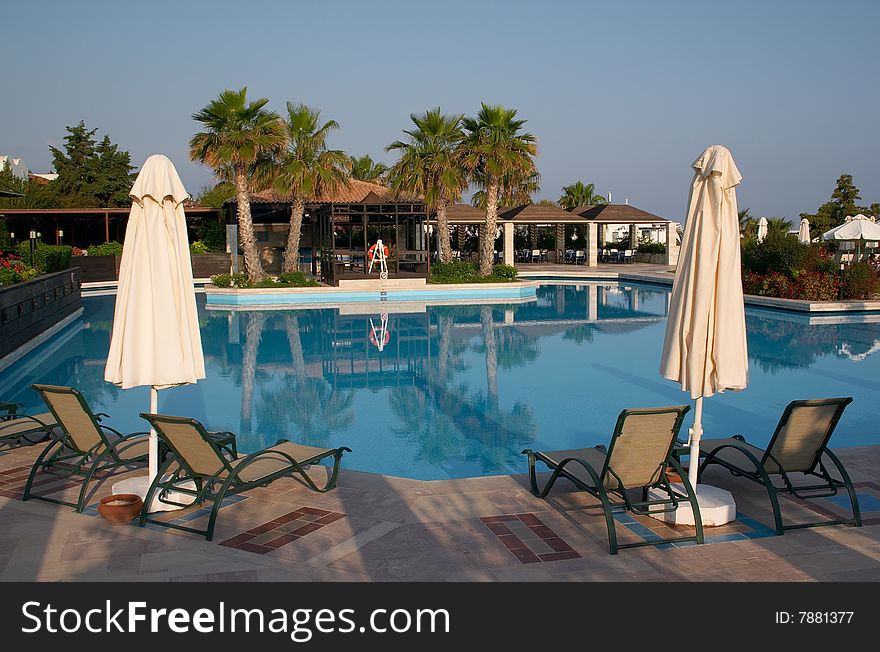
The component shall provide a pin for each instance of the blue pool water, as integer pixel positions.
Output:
(460, 390)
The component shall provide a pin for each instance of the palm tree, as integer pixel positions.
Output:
(430, 166)
(364, 168)
(580, 194)
(778, 225)
(239, 139)
(307, 170)
(513, 191)
(499, 156)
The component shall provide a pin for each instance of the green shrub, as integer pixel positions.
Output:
(652, 248)
(296, 280)
(198, 247)
(454, 272)
(507, 272)
(819, 258)
(779, 252)
(816, 286)
(230, 280)
(214, 237)
(112, 248)
(286, 280)
(14, 270)
(47, 258)
(859, 281)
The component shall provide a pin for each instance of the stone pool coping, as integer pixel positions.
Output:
(665, 278)
(392, 291)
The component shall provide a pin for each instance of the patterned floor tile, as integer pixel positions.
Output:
(282, 530)
(528, 539)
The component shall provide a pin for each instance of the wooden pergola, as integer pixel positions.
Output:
(347, 231)
(77, 226)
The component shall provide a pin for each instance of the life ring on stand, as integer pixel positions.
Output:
(373, 340)
(371, 252)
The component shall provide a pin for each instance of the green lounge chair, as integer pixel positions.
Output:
(81, 445)
(32, 428)
(196, 460)
(799, 445)
(635, 461)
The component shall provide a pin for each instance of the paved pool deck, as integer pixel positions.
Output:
(378, 528)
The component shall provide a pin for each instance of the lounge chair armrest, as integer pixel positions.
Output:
(741, 449)
(27, 417)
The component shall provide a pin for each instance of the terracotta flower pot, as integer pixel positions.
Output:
(673, 476)
(120, 509)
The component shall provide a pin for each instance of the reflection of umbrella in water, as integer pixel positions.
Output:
(155, 339)
(705, 345)
(858, 229)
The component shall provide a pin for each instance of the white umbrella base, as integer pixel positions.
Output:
(717, 506)
(141, 485)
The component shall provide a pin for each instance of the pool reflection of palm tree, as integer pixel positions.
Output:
(490, 347)
(309, 403)
(580, 334)
(448, 422)
(256, 322)
(312, 406)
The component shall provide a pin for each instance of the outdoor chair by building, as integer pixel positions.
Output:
(619, 476)
(196, 466)
(82, 446)
(799, 445)
(15, 427)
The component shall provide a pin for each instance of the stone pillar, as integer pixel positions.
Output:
(508, 316)
(672, 248)
(508, 243)
(592, 244)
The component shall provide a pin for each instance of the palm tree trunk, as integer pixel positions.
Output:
(560, 239)
(487, 234)
(444, 239)
(246, 236)
(291, 253)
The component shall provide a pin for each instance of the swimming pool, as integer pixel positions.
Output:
(460, 390)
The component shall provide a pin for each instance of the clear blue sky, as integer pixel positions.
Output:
(622, 94)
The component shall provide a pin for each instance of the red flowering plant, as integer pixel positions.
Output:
(14, 270)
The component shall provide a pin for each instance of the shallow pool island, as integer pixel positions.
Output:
(373, 290)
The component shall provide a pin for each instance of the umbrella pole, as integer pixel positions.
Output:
(154, 443)
(696, 435)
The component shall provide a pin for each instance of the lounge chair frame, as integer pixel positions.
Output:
(9, 416)
(829, 486)
(624, 502)
(176, 470)
(63, 457)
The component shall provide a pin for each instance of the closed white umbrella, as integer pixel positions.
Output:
(762, 229)
(804, 231)
(155, 339)
(857, 229)
(705, 345)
